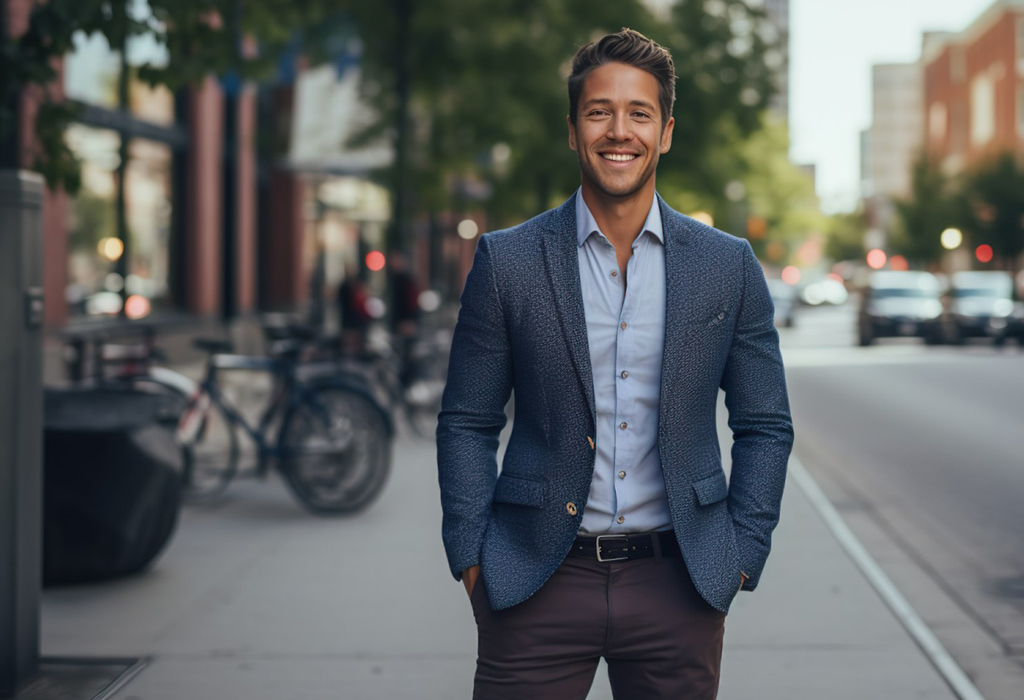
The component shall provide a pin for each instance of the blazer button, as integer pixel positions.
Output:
(571, 508)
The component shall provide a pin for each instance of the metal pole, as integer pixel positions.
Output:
(21, 417)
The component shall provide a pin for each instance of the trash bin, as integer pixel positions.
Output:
(111, 484)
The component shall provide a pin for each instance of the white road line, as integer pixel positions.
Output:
(883, 585)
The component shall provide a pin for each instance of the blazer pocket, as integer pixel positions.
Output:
(519, 491)
(711, 489)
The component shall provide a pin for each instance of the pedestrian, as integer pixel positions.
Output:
(611, 530)
(405, 311)
(355, 317)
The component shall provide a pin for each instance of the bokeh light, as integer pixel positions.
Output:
(951, 238)
(876, 258)
(110, 248)
(790, 274)
(898, 262)
(136, 306)
(703, 217)
(375, 260)
(983, 253)
(468, 229)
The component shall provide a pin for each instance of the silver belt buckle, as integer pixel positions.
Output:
(600, 558)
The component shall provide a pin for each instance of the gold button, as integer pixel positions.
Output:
(622, 425)
(624, 374)
(622, 325)
(591, 441)
(622, 475)
(620, 520)
(571, 508)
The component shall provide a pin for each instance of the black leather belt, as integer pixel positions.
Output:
(607, 548)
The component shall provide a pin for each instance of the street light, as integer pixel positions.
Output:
(951, 238)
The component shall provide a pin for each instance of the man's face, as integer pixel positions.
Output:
(618, 134)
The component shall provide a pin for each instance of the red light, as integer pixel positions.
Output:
(790, 274)
(876, 259)
(375, 260)
(136, 306)
(983, 253)
(898, 262)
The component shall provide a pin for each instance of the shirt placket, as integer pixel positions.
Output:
(625, 397)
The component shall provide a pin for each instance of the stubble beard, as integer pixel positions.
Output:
(621, 192)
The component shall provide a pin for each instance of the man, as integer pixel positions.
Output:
(611, 530)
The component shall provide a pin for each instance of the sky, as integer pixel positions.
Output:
(833, 44)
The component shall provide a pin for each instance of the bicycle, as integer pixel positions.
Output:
(415, 386)
(333, 447)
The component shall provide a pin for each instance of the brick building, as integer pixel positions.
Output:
(974, 89)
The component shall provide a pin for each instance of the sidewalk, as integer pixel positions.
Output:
(256, 599)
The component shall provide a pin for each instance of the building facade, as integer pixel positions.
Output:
(974, 89)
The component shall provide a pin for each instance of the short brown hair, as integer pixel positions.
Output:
(633, 49)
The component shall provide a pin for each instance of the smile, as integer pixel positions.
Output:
(619, 157)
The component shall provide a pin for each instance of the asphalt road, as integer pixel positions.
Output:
(928, 443)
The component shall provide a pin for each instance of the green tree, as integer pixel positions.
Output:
(935, 204)
(995, 193)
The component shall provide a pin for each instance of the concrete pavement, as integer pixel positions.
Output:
(254, 599)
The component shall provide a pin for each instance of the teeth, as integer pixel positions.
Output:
(618, 157)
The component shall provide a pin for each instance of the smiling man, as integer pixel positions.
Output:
(611, 530)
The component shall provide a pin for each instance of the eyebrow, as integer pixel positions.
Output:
(606, 101)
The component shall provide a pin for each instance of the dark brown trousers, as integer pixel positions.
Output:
(658, 636)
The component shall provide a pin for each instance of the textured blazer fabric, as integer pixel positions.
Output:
(522, 328)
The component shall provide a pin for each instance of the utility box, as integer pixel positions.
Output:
(21, 434)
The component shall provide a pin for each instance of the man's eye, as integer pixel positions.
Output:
(596, 113)
(643, 115)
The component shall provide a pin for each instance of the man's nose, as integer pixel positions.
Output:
(620, 128)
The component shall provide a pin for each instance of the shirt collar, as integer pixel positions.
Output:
(586, 224)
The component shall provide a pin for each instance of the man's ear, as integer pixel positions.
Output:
(572, 132)
(666, 135)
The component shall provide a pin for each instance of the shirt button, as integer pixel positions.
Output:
(570, 507)
(615, 273)
(622, 425)
(622, 475)
(620, 520)
(622, 325)
(624, 374)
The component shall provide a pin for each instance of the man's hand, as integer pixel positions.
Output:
(469, 577)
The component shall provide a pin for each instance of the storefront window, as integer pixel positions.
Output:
(94, 248)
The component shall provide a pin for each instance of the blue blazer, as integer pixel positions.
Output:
(522, 327)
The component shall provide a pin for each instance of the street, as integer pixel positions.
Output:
(922, 449)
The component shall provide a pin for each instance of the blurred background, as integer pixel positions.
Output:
(235, 237)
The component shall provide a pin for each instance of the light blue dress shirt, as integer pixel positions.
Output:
(626, 333)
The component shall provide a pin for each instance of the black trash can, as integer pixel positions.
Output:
(111, 483)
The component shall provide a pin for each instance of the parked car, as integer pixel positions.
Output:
(784, 296)
(1015, 323)
(900, 304)
(979, 305)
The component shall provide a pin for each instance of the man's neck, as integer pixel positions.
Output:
(620, 219)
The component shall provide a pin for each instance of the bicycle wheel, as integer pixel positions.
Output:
(209, 447)
(423, 404)
(335, 451)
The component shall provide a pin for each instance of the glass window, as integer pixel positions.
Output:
(94, 248)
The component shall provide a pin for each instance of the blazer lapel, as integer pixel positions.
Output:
(562, 260)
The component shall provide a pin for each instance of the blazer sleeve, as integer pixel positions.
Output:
(754, 382)
(473, 413)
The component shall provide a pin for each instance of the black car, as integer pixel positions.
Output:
(980, 305)
(900, 304)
